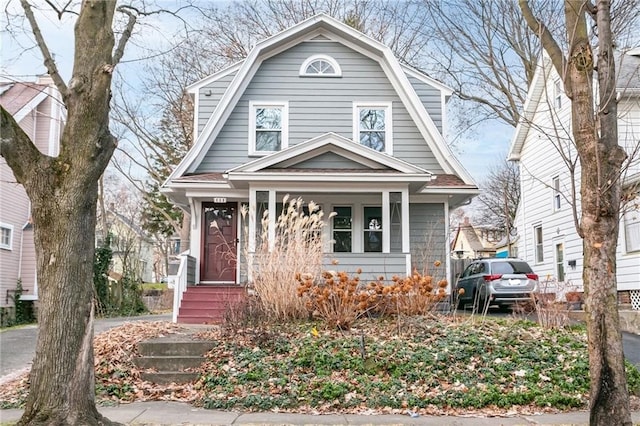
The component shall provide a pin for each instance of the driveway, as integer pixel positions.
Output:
(17, 345)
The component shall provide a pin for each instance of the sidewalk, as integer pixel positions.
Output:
(175, 413)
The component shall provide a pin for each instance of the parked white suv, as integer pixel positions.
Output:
(496, 281)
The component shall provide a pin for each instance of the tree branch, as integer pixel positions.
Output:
(17, 149)
(126, 35)
(49, 62)
(546, 38)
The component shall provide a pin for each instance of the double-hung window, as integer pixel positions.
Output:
(342, 230)
(367, 227)
(560, 261)
(6, 236)
(632, 230)
(372, 229)
(372, 126)
(268, 127)
(557, 93)
(539, 247)
(557, 197)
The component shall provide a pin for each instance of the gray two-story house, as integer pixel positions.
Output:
(322, 112)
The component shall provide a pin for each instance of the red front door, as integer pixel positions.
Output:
(219, 225)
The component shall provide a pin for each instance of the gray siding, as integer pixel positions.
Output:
(316, 106)
(431, 99)
(209, 97)
(427, 238)
(373, 265)
(329, 160)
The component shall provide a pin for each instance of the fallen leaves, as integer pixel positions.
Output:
(420, 365)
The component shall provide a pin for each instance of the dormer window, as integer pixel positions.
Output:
(320, 66)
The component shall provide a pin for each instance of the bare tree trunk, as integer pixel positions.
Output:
(62, 388)
(63, 193)
(601, 159)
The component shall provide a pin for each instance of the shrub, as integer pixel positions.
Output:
(297, 248)
(339, 300)
(416, 294)
(342, 299)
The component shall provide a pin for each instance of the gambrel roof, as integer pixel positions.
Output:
(331, 29)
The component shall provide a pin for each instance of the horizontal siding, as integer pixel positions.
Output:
(209, 96)
(28, 273)
(629, 131)
(373, 265)
(329, 160)
(316, 106)
(431, 98)
(428, 240)
(536, 203)
(43, 125)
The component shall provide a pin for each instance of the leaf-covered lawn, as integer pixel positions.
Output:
(427, 365)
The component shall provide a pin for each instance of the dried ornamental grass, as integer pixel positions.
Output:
(296, 249)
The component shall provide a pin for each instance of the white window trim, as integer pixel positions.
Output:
(630, 218)
(556, 194)
(388, 120)
(535, 244)
(353, 209)
(556, 243)
(253, 105)
(10, 228)
(364, 227)
(558, 91)
(326, 58)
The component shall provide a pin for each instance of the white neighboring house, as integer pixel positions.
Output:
(37, 107)
(547, 235)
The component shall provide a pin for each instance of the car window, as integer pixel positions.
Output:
(510, 267)
(467, 271)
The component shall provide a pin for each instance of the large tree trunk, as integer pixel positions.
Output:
(601, 158)
(62, 388)
(63, 193)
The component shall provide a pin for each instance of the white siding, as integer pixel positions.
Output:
(540, 161)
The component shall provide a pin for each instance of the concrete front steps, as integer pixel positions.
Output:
(164, 360)
(208, 304)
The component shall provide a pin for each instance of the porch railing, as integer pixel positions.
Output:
(184, 277)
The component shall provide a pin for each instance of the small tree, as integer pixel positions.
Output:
(500, 197)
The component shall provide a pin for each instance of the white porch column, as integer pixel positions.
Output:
(406, 232)
(272, 219)
(386, 223)
(253, 207)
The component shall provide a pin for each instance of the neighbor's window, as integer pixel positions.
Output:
(632, 230)
(539, 248)
(372, 126)
(373, 229)
(557, 198)
(560, 261)
(342, 230)
(6, 236)
(268, 127)
(557, 94)
(320, 66)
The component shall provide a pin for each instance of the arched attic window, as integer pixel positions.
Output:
(320, 66)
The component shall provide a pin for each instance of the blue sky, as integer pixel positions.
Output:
(486, 148)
